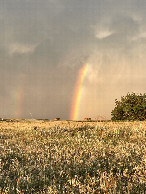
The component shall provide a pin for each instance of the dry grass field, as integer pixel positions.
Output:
(72, 157)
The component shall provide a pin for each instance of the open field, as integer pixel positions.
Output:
(72, 157)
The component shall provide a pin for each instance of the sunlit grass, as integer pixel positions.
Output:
(72, 157)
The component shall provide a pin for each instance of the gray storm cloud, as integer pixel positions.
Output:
(45, 43)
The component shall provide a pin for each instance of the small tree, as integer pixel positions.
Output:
(131, 107)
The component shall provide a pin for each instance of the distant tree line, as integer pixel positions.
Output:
(130, 107)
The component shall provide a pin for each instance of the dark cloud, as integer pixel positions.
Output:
(125, 26)
(123, 30)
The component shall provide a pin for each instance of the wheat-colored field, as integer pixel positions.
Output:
(72, 157)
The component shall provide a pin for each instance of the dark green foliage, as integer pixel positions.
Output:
(131, 107)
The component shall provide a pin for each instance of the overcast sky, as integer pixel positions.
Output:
(44, 43)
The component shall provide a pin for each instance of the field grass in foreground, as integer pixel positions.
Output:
(72, 157)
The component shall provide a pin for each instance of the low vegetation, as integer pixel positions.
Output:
(72, 157)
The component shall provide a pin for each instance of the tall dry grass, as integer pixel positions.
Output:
(72, 157)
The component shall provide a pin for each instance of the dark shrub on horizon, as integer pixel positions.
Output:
(131, 107)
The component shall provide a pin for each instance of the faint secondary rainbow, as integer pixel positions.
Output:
(75, 106)
(18, 98)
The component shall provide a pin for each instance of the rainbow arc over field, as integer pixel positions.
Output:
(78, 91)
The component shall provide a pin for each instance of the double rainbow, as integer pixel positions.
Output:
(74, 114)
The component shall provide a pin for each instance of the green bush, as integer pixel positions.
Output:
(131, 107)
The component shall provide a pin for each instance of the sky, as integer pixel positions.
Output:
(45, 43)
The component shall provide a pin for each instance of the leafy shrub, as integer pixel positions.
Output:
(131, 107)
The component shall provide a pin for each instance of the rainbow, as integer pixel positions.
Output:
(18, 99)
(78, 92)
